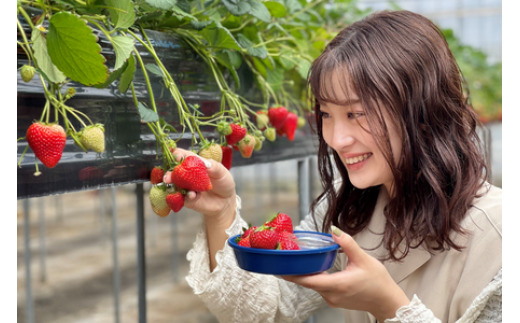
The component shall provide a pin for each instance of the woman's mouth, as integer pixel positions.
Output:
(358, 162)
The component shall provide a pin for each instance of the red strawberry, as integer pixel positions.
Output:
(245, 242)
(263, 238)
(277, 116)
(235, 147)
(282, 222)
(227, 156)
(238, 132)
(290, 125)
(246, 146)
(157, 175)
(191, 174)
(280, 132)
(247, 232)
(47, 142)
(175, 201)
(287, 244)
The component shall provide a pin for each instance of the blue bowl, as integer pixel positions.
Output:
(287, 262)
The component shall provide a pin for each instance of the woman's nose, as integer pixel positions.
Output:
(343, 137)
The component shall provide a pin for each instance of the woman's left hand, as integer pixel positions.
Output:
(365, 284)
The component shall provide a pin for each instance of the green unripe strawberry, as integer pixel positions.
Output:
(27, 72)
(224, 128)
(258, 143)
(211, 151)
(270, 134)
(301, 122)
(93, 137)
(158, 201)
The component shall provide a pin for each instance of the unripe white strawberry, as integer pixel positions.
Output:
(27, 72)
(158, 201)
(93, 137)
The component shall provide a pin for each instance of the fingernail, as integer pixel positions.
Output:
(207, 163)
(336, 231)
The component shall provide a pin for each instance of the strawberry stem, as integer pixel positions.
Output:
(37, 173)
(23, 154)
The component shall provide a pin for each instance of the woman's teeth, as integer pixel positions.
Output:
(357, 159)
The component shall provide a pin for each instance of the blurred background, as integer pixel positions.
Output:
(71, 235)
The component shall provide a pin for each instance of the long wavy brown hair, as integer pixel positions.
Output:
(399, 61)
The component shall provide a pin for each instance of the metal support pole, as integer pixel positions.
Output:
(115, 267)
(258, 187)
(313, 170)
(175, 249)
(41, 233)
(102, 214)
(303, 196)
(141, 260)
(303, 187)
(274, 185)
(59, 208)
(29, 305)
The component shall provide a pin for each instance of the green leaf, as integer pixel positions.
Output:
(234, 57)
(162, 4)
(199, 25)
(128, 75)
(275, 78)
(51, 72)
(224, 58)
(154, 69)
(121, 19)
(293, 5)
(248, 45)
(286, 59)
(276, 9)
(260, 67)
(123, 47)
(74, 50)
(259, 10)
(146, 114)
(178, 11)
(165, 125)
(112, 77)
(237, 7)
(219, 37)
(303, 68)
(184, 5)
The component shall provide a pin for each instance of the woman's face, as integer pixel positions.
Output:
(344, 129)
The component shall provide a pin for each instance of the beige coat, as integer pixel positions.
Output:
(446, 282)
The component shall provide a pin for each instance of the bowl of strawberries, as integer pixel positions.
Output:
(274, 248)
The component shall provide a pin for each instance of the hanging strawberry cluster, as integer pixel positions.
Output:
(268, 38)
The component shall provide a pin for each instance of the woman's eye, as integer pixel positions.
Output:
(355, 115)
(324, 115)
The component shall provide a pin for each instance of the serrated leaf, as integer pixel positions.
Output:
(162, 4)
(237, 7)
(123, 47)
(259, 10)
(219, 37)
(248, 45)
(128, 75)
(178, 11)
(276, 9)
(149, 16)
(51, 72)
(146, 114)
(199, 25)
(303, 68)
(121, 19)
(112, 77)
(154, 69)
(74, 50)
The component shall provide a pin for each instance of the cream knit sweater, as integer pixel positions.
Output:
(227, 291)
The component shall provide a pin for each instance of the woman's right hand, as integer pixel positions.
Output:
(217, 203)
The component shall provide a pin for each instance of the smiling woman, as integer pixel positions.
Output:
(405, 193)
